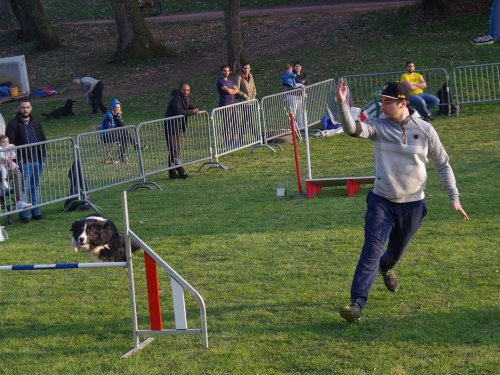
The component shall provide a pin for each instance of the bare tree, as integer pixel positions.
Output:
(34, 24)
(8, 21)
(135, 41)
(234, 39)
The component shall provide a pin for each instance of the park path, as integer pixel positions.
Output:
(348, 7)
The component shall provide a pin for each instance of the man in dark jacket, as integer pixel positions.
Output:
(180, 104)
(24, 129)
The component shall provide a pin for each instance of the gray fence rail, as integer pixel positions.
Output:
(42, 177)
(109, 157)
(361, 86)
(477, 83)
(235, 127)
(175, 141)
(102, 159)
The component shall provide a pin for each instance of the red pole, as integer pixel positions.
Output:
(153, 293)
(296, 153)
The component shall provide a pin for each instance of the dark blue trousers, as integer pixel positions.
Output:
(385, 222)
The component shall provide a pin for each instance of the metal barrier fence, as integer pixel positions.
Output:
(175, 141)
(116, 156)
(477, 83)
(275, 109)
(361, 86)
(308, 106)
(235, 127)
(42, 177)
(109, 157)
(320, 97)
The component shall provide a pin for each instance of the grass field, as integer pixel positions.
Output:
(273, 271)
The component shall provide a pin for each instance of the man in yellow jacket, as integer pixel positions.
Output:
(423, 102)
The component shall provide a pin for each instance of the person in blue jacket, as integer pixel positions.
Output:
(114, 119)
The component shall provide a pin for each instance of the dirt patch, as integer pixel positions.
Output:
(199, 46)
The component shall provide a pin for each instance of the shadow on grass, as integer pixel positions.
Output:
(458, 326)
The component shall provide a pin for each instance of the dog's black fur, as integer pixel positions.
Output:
(66, 110)
(98, 236)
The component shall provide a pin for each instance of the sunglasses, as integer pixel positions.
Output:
(390, 101)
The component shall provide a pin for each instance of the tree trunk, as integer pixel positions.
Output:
(34, 24)
(135, 41)
(234, 40)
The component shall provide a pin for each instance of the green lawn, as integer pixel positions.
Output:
(273, 271)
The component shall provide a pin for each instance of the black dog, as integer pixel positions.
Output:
(66, 110)
(98, 236)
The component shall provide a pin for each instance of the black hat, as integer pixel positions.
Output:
(394, 90)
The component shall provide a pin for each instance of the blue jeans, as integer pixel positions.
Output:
(424, 103)
(32, 173)
(385, 221)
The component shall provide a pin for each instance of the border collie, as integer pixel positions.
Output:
(98, 236)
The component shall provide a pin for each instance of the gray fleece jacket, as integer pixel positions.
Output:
(400, 153)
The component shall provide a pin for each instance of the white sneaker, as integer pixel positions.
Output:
(5, 186)
(20, 205)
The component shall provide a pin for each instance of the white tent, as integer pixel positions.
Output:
(13, 69)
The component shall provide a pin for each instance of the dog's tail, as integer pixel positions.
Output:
(134, 247)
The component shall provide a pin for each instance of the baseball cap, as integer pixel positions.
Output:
(394, 90)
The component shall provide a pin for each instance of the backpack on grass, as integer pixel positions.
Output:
(446, 106)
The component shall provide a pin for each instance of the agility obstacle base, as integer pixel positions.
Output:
(152, 260)
(314, 185)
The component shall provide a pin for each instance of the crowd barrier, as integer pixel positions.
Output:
(178, 287)
(235, 127)
(44, 166)
(320, 98)
(102, 159)
(275, 109)
(361, 86)
(109, 158)
(308, 106)
(175, 141)
(477, 83)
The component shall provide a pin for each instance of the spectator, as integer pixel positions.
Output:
(300, 75)
(288, 79)
(246, 84)
(93, 90)
(294, 98)
(10, 170)
(22, 130)
(114, 119)
(396, 206)
(180, 104)
(228, 90)
(226, 87)
(423, 102)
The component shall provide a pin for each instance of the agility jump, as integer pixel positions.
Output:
(314, 185)
(152, 260)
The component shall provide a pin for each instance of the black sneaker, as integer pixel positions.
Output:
(352, 313)
(173, 175)
(183, 175)
(390, 280)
